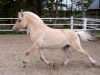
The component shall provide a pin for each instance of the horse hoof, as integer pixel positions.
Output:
(24, 66)
(27, 53)
(94, 65)
(52, 64)
(24, 62)
(63, 65)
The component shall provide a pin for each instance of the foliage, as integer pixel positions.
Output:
(9, 8)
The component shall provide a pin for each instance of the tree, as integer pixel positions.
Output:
(9, 8)
(39, 7)
(83, 8)
(56, 8)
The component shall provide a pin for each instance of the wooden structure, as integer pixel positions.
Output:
(94, 9)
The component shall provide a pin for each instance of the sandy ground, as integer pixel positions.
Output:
(13, 48)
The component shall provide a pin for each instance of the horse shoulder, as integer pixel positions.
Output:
(39, 39)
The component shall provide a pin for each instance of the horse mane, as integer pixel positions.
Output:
(33, 17)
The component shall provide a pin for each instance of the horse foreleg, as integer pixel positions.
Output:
(36, 46)
(42, 57)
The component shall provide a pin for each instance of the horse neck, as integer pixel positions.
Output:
(34, 24)
(33, 27)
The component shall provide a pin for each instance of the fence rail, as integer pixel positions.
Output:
(69, 23)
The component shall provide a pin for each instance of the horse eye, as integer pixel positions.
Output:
(19, 20)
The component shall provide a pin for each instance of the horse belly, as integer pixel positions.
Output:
(54, 41)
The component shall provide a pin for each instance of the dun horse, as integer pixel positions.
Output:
(44, 37)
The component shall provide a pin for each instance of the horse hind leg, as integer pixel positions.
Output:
(77, 46)
(84, 52)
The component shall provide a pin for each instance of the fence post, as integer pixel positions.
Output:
(85, 24)
(71, 22)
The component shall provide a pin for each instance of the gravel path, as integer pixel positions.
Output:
(13, 48)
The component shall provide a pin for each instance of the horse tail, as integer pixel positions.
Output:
(85, 36)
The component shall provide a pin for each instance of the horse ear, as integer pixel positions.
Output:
(22, 14)
(19, 15)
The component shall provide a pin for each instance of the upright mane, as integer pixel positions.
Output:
(33, 17)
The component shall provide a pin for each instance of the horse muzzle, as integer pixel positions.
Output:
(15, 29)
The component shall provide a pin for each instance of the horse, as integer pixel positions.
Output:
(44, 37)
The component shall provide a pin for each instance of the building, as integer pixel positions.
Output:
(94, 9)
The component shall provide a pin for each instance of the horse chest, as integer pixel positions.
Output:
(35, 36)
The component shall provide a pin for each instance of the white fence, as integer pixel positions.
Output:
(69, 23)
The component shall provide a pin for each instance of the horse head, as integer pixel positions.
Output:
(21, 22)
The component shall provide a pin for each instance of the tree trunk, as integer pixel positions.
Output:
(56, 14)
(83, 8)
(56, 11)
